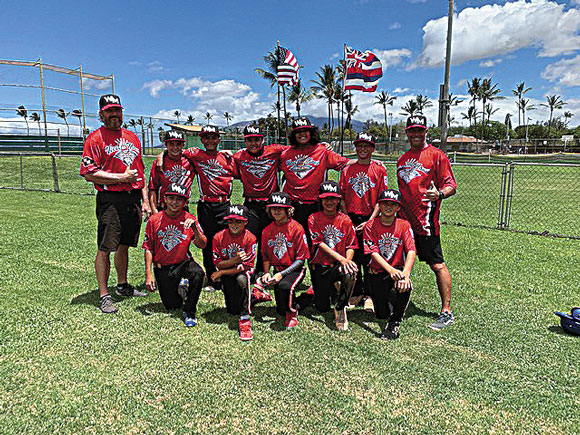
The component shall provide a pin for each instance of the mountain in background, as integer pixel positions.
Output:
(318, 121)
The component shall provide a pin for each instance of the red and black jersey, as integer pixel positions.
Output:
(361, 185)
(415, 171)
(113, 151)
(391, 241)
(214, 172)
(305, 168)
(336, 231)
(226, 246)
(259, 174)
(172, 171)
(167, 239)
(283, 244)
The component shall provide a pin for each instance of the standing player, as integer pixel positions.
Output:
(234, 255)
(168, 235)
(361, 183)
(389, 242)
(112, 160)
(425, 178)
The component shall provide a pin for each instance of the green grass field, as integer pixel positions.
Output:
(505, 366)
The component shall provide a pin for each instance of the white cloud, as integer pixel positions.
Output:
(396, 25)
(18, 126)
(400, 90)
(155, 66)
(565, 72)
(492, 30)
(393, 57)
(156, 86)
(416, 1)
(490, 63)
(460, 83)
(334, 56)
(101, 85)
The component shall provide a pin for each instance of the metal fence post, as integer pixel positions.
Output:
(510, 194)
(502, 198)
(54, 172)
(21, 172)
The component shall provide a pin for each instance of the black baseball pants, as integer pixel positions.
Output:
(168, 278)
(236, 289)
(325, 293)
(284, 292)
(361, 287)
(389, 303)
(210, 216)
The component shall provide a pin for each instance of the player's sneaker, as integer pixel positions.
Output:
(182, 289)
(341, 320)
(106, 305)
(391, 332)
(127, 289)
(291, 319)
(369, 306)
(444, 320)
(189, 320)
(310, 291)
(245, 328)
(209, 288)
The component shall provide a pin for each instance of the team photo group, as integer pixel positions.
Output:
(356, 238)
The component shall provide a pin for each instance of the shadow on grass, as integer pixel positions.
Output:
(158, 308)
(362, 318)
(558, 330)
(414, 310)
(92, 297)
(219, 316)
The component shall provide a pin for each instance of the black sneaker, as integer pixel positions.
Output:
(391, 332)
(127, 289)
(107, 306)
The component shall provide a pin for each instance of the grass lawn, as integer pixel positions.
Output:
(505, 366)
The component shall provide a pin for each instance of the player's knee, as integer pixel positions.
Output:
(242, 280)
(436, 267)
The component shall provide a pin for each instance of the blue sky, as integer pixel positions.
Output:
(200, 56)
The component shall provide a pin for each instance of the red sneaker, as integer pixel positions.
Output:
(245, 328)
(291, 320)
(310, 291)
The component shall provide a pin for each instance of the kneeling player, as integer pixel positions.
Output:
(167, 238)
(333, 247)
(234, 255)
(284, 248)
(390, 243)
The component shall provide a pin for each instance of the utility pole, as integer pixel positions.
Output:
(444, 98)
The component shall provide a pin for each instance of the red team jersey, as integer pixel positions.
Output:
(259, 174)
(361, 185)
(305, 168)
(113, 151)
(392, 242)
(336, 231)
(226, 246)
(415, 171)
(214, 173)
(172, 171)
(283, 244)
(166, 238)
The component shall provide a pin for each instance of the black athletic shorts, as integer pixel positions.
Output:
(429, 249)
(119, 219)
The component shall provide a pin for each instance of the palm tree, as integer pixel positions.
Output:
(190, 120)
(525, 106)
(141, 122)
(508, 125)
(208, 116)
(21, 111)
(228, 118)
(473, 91)
(35, 118)
(133, 124)
(324, 89)
(488, 91)
(78, 114)
(350, 111)
(422, 103)
(410, 109)
(489, 110)
(384, 99)
(299, 95)
(271, 72)
(519, 92)
(567, 116)
(471, 114)
(62, 114)
(177, 114)
(554, 102)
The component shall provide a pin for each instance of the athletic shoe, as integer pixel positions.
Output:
(391, 332)
(107, 306)
(245, 328)
(369, 306)
(291, 319)
(443, 321)
(209, 288)
(182, 289)
(127, 289)
(340, 320)
(310, 291)
(189, 320)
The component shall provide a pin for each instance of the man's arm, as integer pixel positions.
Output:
(104, 177)
(145, 207)
(149, 279)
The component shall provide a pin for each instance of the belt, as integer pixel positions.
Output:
(257, 199)
(303, 202)
(204, 198)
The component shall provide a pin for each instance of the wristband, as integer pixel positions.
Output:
(441, 194)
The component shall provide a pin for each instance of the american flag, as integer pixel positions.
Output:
(363, 70)
(287, 67)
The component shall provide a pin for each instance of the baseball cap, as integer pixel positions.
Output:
(207, 129)
(279, 199)
(300, 123)
(108, 101)
(174, 135)
(252, 130)
(390, 195)
(178, 190)
(237, 212)
(329, 189)
(416, 121)
(570, 322)
(364, 136)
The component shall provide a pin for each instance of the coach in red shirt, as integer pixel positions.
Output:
(425, 179)
(113, 161)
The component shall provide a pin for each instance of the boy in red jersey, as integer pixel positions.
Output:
(425, 178)
(167, 238)
(333, 246)
(234, 255)
(284, 248)
(389, 241)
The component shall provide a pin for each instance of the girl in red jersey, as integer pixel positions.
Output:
(389, 241)
(284, 248)
(234, 255)
(333, 247)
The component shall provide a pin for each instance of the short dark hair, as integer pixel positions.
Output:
(314, 137)
(289, 212)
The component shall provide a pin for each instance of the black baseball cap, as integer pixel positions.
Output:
(207, 129)
(178, 190)
(108, 101)
(300, 123)
(279, 199)
(417, 121)
(365, 136)
(237, 212)
(253, 130)
(329, 189)
(390, 195)
(174, 135)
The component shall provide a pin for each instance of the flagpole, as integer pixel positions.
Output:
(342, 100)
(285, 114)
(278, 104)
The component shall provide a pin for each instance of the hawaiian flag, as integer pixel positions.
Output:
(363, 70)
(287, 67)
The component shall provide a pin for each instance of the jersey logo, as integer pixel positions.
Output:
(175, 174)
(279, 245)
(302, 165)
(123, 150)
(332, 236)
(212, 169)
(231, 251)
(258, 167)
(361, 184)
(411, 169)
(388, 245)
(171, 237)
